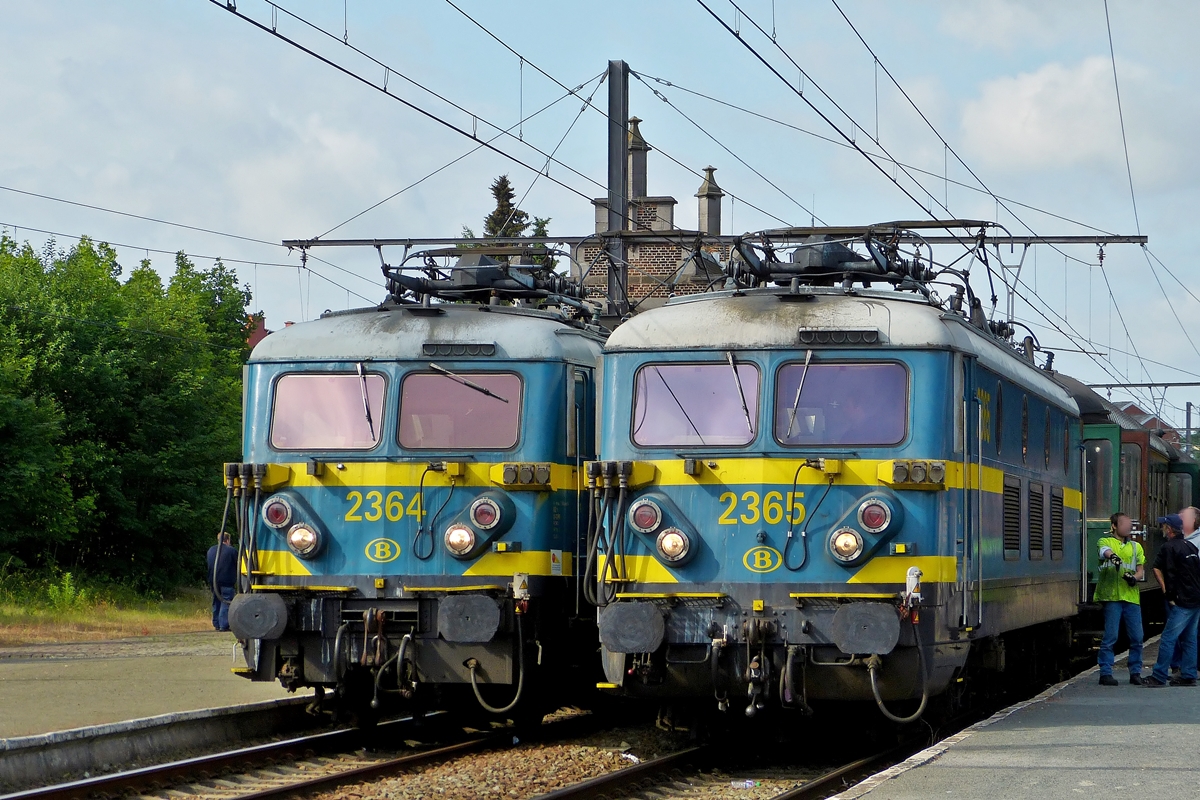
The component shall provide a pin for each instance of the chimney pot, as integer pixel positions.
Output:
(637, 161)
(710, 195)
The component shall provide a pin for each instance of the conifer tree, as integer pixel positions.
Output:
(506, 220)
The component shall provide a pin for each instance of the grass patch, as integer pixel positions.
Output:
(58, 606)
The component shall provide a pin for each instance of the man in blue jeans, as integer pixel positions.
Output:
(222, 574)
(1177, 567)
(1121, 567)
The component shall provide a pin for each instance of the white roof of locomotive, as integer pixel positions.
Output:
(769, 319)
(397, 333)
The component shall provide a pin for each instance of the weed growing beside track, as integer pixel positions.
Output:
(38, 608)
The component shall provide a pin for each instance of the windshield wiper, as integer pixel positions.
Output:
(362, 379)
(796, 402)
(742, 394)
(465, 382)
(671, 392)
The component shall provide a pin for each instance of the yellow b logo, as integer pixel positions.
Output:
(382, 551)
(762, 559)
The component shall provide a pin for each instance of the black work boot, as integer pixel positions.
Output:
(1136, 680)
(1108, 680)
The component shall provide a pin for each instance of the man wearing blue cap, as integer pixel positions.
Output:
(1122, 565)
(1177, 567)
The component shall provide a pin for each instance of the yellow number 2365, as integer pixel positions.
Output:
(769, 508)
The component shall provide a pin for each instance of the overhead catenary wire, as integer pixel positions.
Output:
(851, 140)
(600, 111)
(840, 143)
(1132, 194)
(725, 147)
(550, 157)
(949, 149)
(407, 103)
(222, 259)
(447, 165)
(170, 223)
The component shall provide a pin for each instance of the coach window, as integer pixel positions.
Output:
(460, 411)
(841, 404)
(1131, 480)
(1098, 470)
(1179, 490)
(685, 405)
(327, 411)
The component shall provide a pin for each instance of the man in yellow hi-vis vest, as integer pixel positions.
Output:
(1122, 565)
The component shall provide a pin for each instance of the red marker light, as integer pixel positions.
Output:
(485, 513)
(646, 517)
(874, 516)
(277, 513)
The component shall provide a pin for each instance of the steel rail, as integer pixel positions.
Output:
(835, 780)
(178, 771)
(373, 770)
(604, 785)
(201, 769)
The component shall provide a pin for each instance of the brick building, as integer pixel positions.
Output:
(656, 249)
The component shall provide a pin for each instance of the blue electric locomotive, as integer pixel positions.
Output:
(812, 489)
(410, 498)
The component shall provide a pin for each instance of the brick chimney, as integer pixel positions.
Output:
(710, 203)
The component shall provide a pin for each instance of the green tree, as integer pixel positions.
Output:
(127, 398)
(506, 220)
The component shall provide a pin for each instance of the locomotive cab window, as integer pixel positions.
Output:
(684, 405)
(453, 411)
(327, 411)
(841, 404)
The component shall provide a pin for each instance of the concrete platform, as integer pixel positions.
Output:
(1075, 739)
(45, 688)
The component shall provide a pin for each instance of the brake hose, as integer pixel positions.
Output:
(473, 664)
(212, 585)
(874, 664)
(594, 542)
(398, 659)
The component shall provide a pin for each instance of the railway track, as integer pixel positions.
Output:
(304, 764)
(688, 775)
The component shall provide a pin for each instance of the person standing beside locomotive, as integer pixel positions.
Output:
(1190, 517)
(1177, 567)
(1122, 565)
(221, 564)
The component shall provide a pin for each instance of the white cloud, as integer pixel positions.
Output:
(1061, 117)
(1000, 24)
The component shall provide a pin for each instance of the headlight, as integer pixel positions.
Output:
(645, 516)
(673, 544)
(277, 513)
(918, 472)
(303, 540)
(874, 516)
(846, 544)
(460, 539)
(900, 472)
(485, 513)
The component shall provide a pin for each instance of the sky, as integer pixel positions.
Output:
(180, 111)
